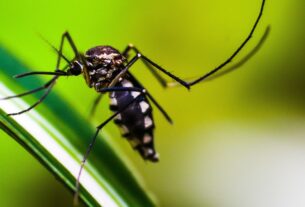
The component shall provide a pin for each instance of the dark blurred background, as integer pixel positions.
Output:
(236, 141)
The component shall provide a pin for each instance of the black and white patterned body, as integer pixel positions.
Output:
(136, 121)
(103, 64)
(106, 70)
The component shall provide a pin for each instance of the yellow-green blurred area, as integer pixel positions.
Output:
(236, 141)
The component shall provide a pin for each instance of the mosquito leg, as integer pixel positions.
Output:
(99, 128)
(49, 85)
(236, 65)
(159, 78)
(125, 70)
(189, 84)
(31, 91)
(72, 44)
(137, 57)
(245, 59)
(95, 103)
(167, 117)
(235, 53)
(78, 55)
(46, 85)
(60, 56)
(55, 49)
(67, 36)
(111, 89)
(57, 73)
(179, 80)
(38, 102)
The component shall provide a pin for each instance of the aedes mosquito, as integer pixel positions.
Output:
(108, 71)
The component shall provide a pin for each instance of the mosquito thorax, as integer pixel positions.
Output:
(103, 64)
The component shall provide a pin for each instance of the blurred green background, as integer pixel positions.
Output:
(236, 141)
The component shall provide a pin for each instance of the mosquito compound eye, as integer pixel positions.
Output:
(76, 68)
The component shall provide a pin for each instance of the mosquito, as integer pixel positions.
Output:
(107, 70)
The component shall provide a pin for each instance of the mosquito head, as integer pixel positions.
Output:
(76, 68)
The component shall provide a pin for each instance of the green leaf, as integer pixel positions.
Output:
(58, 136)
